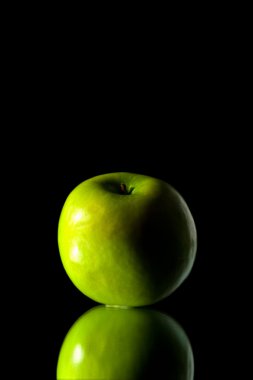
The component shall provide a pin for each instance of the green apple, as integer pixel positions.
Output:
(126, 239)
(128, 344)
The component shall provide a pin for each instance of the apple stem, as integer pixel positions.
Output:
(123, 188)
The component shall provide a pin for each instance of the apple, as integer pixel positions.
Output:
(130, 344)
(126, 239)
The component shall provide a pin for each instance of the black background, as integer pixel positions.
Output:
(171, 107)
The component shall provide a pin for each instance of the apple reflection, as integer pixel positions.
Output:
(128, 344)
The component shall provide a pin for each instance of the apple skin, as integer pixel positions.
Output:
(126, 239)
(130, 344)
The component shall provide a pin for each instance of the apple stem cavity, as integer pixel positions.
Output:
(123, 189)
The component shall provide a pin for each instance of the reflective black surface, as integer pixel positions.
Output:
(125, 343)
